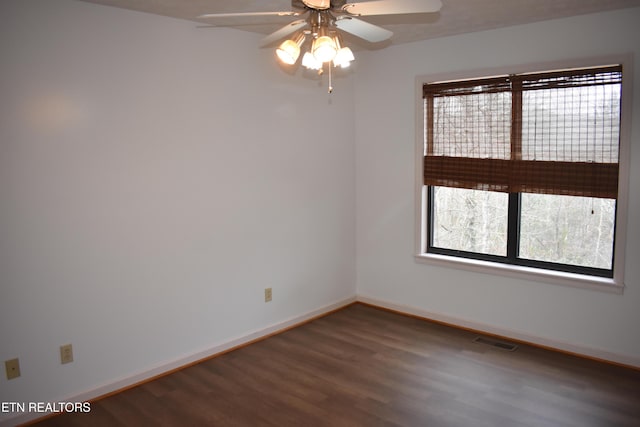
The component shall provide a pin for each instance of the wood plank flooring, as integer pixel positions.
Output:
(362, 366)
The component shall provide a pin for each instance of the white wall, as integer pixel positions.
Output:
(154, 178)
(149, 191)
(600, 323)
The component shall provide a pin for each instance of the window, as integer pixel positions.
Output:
(523, 169)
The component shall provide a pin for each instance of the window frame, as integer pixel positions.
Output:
(513, 243)
(525, 270)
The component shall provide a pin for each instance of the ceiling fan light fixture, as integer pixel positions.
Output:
(324, 47)
(323, 22)
(309, 61)
(343, 58)
(289, 51)
(344, 55)
(324, 50)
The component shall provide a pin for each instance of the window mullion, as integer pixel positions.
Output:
(513, 227)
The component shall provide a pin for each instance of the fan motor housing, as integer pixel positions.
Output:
(335, 4)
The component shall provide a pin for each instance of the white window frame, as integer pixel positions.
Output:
(612, 285)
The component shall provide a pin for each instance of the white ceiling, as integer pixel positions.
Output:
(455, 17)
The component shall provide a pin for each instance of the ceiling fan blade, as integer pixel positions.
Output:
(247, 14)
(364, 30)
(392, 7)
(283, 32)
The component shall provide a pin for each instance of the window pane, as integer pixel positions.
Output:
(568, 230)
(477, 125)
(470, 220)
(577, 124)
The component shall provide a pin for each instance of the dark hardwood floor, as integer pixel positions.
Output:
(362, 366)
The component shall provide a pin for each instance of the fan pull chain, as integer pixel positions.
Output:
(330, 83)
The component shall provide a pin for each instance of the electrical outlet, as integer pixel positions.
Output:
(267, 294)
(66, 354)
(12, 367)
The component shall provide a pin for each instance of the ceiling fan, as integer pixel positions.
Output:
(321, 21)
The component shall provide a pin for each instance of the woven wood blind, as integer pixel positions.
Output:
(552, 133)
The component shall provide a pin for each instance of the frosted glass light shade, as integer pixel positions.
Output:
(324, 49)
(288, 52)
(343, 57)
(309, 61)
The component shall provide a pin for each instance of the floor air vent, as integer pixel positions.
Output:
(502, 345)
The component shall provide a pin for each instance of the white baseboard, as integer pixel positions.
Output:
(606, 356)
(165, 367)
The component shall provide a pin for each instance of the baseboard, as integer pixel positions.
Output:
(165, 368)
(482, 328)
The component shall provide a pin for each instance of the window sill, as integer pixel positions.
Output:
(527, 273)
